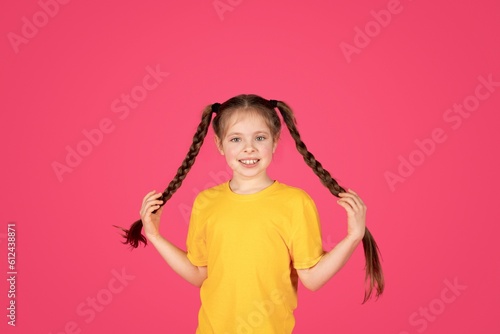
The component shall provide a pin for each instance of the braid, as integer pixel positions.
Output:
(309, 158)
(188, 162)
(133, 236)
(373, 267)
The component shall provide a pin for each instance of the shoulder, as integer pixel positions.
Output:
(293, 193)
(297, 203)
(212, 193)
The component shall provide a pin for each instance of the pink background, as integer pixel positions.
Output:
(361, 113)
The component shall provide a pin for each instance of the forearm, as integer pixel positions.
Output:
(177, 259)
(315, 277)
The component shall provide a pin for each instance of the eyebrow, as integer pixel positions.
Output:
(256, 132)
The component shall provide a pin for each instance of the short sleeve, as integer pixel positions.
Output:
(306, 245)
(196, 237)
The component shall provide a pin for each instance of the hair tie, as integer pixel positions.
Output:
(274, 103)
(215, 107)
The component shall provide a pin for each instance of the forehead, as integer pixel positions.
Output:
(246, 121)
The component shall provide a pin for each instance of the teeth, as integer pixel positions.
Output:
(249, 162)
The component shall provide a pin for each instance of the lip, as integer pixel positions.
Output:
(248, 165)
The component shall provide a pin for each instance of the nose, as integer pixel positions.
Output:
(249, 147)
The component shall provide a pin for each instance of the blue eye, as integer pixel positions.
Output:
(235, 139)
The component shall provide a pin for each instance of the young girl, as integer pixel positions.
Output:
(251, 238)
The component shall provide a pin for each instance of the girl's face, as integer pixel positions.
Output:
(247, 145)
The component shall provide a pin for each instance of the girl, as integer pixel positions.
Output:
(251, 238)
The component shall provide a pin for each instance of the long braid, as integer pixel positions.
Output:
(133, 235)
(373, 267)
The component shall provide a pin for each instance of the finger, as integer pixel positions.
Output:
(351, 201)
(153, 203)
(148, 202)
(354, 197)
(346, 206)
(152, 208)
(148, 195)
(357, 197)
(348, 201)
(153, 197)
(159, 210)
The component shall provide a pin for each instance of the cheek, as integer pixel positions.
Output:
(267, 149)
(231, 152)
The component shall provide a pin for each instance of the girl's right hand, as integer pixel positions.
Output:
(150, 220)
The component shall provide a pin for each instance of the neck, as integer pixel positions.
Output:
(241, 185)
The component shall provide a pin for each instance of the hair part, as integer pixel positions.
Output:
(249, 104)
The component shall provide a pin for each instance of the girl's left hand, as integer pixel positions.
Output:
(356, 213)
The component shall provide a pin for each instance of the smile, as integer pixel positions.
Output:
(249, 161)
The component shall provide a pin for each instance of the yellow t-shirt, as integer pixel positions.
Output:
(251, 245)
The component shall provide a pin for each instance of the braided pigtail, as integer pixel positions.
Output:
(374, 274)
(133, 235)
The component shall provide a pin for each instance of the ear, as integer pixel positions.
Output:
(218, 144)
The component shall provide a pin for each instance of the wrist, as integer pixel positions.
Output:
(153, 238)
(355, 238)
